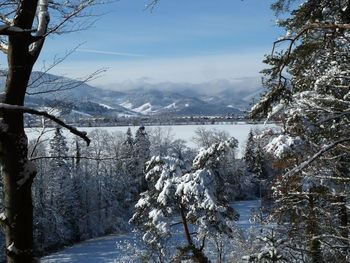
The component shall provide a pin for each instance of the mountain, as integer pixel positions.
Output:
(76, 98)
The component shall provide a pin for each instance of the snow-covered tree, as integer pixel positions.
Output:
(204, 138)
(257, 164)
(312, 101)
(62, 196)
(141, 153)
(200, 196)
(272, 250)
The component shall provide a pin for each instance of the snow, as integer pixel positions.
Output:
(80, 113)
(171, 106)
(127, 105)
(106, 106)
(145, 108)
(12, 248)
(283, 145)
(2, 217)
(126, 248)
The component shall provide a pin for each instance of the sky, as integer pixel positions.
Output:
(188, 41)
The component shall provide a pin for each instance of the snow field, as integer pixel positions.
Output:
(127, 248)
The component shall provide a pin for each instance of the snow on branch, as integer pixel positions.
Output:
(315, 157)
(17, 108)
(13, 30)
(3, 47)
(43, 22)
(6, 19)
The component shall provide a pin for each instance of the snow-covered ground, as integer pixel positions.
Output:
(238, 130)
(104, 249)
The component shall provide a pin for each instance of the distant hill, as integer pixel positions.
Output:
(75, 98)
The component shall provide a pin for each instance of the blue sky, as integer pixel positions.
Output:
(180, 41)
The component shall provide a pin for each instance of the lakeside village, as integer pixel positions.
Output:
(142, 120)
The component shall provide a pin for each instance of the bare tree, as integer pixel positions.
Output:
(25, 25)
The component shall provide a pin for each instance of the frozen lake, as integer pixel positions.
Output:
(238, 130)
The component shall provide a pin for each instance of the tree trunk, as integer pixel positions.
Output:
(312, 230)
(17, 171)
(198, 255)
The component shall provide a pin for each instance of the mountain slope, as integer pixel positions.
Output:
(76, 98)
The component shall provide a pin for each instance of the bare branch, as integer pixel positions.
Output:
(13, 30)
(152, 5)
(6, 20)
(76, 12)
(17, 108)
(64, 85)
(56, 61)
(106, 158)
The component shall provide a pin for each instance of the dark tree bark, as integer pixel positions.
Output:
(198, 255)
(17, 171)
(22, 49)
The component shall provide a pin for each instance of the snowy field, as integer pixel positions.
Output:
(238, 130)
(104, 249)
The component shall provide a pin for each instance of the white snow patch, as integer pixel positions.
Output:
(127, 105)
(171, 106)
(81, 113)
(145, 108)
(2, 216)
(106, 106)
(12, 248)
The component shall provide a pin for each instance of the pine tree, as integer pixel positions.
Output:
(61, 192)
(141, 154)
(199, 196)
(312, 101)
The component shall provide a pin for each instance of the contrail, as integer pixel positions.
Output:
(110, 53)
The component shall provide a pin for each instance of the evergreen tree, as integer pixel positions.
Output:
(141, 154)
(200, 196)
(257, 165)
(312, 101)
(62, 195)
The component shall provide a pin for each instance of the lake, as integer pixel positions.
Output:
(238, 130)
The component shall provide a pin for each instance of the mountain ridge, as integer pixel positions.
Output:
(75, 97)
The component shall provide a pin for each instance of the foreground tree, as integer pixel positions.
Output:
(312, 101)
(200, 196)
(22, 44)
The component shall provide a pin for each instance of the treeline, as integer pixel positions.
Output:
(82, 192)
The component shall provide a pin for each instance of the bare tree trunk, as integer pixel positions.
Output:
(17, 170)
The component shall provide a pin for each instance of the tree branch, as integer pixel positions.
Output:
(13, 30)
(316, 156)
(6, 20)
(17, 108)
(43, 23)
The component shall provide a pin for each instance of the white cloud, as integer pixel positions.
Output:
(189, 69)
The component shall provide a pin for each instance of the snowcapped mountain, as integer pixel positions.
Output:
(76, 98)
